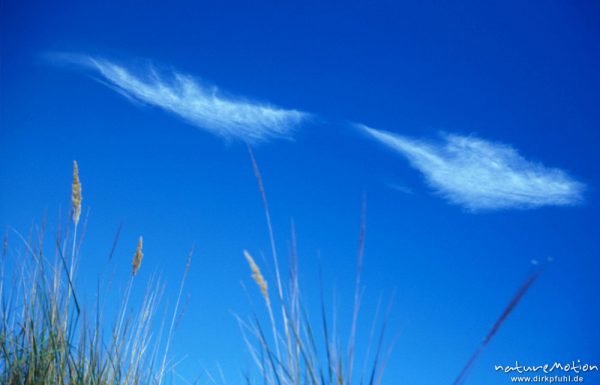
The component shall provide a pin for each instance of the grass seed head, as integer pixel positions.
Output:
(137, 257)
(258, 277)
(75, 195)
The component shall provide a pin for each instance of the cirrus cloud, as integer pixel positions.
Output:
(204, 107)
(483, 175)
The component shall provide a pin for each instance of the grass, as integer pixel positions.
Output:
(47, 336)
(295, 349)
(304, 351)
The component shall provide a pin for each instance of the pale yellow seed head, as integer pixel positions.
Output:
(137, 257)
(258, 277)
(75, 195)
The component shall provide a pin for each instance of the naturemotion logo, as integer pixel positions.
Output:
(557, 372)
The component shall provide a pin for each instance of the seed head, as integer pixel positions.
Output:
(137, 257)
(75, 195)
(258, 277)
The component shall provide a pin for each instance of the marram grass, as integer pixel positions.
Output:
(301, 350)
(47, 337)
(305, 351)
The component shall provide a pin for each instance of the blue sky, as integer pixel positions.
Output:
(471, 129)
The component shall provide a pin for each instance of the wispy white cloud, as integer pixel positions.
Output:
(483, 175)
(400, 188)
(202, 106)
